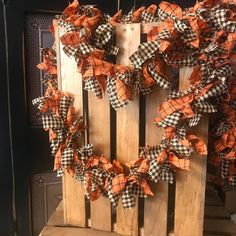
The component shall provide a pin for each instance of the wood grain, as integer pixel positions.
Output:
(73, 191)
(72, 231)
(190, 186)
(127, 39)
(58, 52)
(156, 207)
(99, 136)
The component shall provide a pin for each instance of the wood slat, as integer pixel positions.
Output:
(156, 207)
(127, 39)
(73, 191)
(58, 52)
(72, 231)
(230, 203)
(220, 226)
(216, 211)
(213, 201)
(99, 136)
(190, 186)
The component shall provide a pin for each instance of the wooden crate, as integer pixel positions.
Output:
(177, 209)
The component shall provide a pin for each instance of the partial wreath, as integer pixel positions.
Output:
(202, 37)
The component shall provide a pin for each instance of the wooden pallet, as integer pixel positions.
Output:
(217, 218)
(150, 218)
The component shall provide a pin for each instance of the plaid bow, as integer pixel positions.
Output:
(104, 39)
(136, 183)
(49, 61)
(119, 86)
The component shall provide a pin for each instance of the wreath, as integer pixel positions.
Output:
(202, 37)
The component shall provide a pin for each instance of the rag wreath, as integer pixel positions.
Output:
(202, 37)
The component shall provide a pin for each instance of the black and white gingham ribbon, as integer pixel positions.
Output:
(92, 84)
(112, 94)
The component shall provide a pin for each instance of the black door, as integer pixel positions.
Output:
(23, 146)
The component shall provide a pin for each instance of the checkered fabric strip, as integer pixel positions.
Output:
(205, 107)
(85, 151)
(96, 176)
(67, 157)
(73, 138)
(225, 164)
(162, 82)
(52, 122)
(232, 181)
(110, 48)
(126, 77)
(87, 10)
(128, 18)
(138, 82)
(181, 131)
(206, 71)
(51, 54)
(171, 120)
(178, 147)
(186, 32)
(130, 194)
(114, 199)
(174, 94)
(70, 51)
(104, 19)
(147, 17)
(50, 79)
(164, 35)
(160, 172)
(145, 91)
(222, 127)
(167, 176)
(102, 35)
(69, 27)
(180, 26)
(178, 94)
(221, 20)
(92, 84)
(65, 103)
(79, 173)
(145, 51)
(150, 152)
(53, 83)
(85, 48)
(154, 171)
(55, 143)
(214, 92)
(39, 102)
(193, 121)
(221, 73)
(162, 15)
(214, 51)
(222, 154)
(187, 61)
(60, 173)
(128, 198)
(112, 94)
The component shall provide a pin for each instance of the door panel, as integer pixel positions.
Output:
(46, 194)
